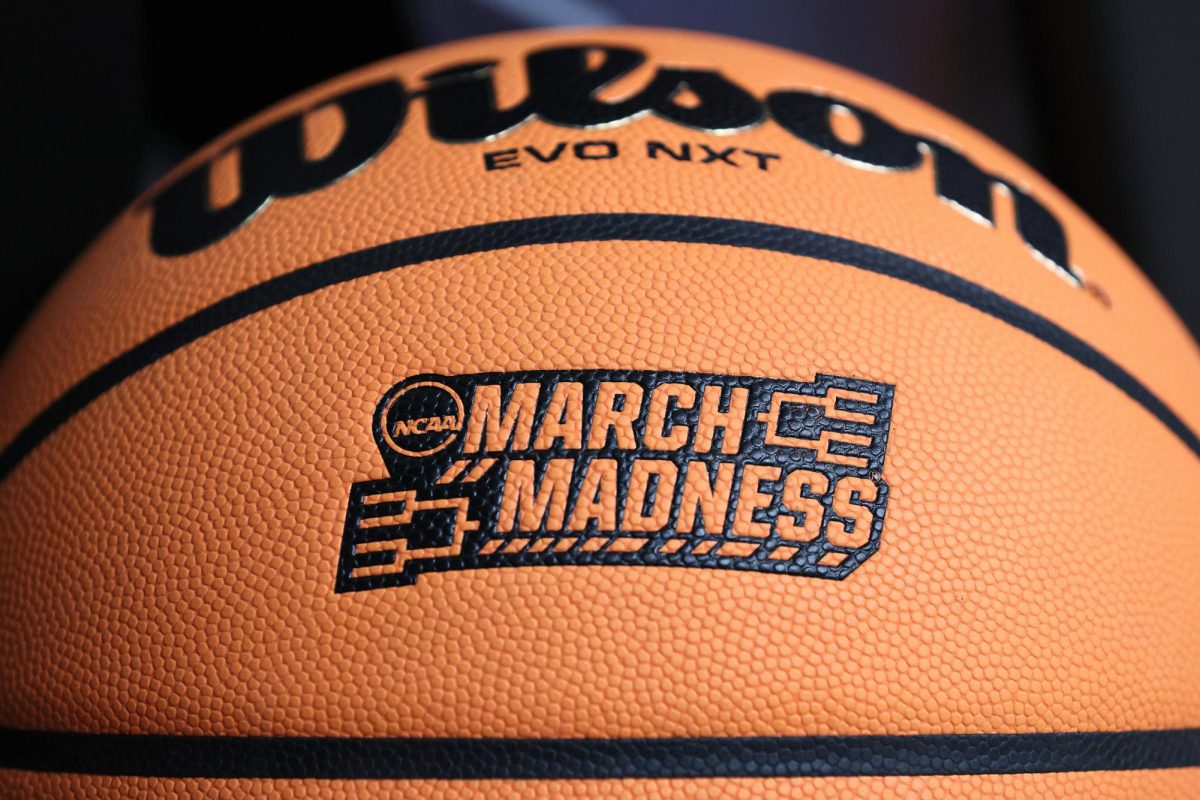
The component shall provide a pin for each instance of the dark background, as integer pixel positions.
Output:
(100, 99)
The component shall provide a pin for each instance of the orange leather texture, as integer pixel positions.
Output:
(1165, 784)
(167, 555)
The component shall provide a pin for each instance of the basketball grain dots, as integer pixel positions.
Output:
(755, 427)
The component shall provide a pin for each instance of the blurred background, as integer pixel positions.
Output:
(100, 99)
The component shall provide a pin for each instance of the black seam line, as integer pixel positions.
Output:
(162, 756)
(577, 228)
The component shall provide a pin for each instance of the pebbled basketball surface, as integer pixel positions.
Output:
(594, 413)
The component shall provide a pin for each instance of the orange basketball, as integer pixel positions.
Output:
(592, 413)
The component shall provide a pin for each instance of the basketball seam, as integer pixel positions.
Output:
(578, 228)
(362, 758)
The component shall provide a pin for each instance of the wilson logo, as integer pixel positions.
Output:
(460, 106)
(620, 468)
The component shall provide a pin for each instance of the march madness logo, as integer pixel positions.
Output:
(614, 467)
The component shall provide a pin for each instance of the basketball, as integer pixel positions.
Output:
(609, 412)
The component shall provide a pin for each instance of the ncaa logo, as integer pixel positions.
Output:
(420, 418)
